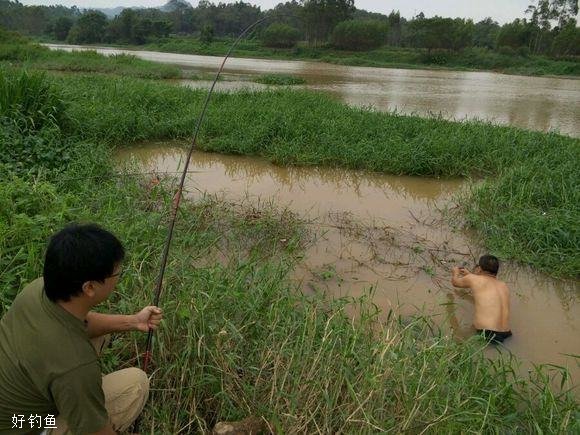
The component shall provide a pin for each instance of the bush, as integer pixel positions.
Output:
(506, 50)
(435, 57)
(359, 35)
(280, 36)
(523, 51)
(207, 35)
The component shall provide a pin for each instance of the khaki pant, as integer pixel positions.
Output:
(126, 392)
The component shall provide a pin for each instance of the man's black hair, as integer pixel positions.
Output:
(489, 264)
(77, 254)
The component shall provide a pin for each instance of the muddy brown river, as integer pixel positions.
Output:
(535, 103)
(388, 234)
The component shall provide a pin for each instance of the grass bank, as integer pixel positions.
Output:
(237, 339)
(385, 57)
(23, 52)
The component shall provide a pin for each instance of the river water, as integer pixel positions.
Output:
(387, 233)
(534, 103)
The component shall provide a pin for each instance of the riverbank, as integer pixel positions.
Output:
(237, 339)
(471, 59)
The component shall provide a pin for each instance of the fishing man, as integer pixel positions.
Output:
(491, 296)
(50, 377)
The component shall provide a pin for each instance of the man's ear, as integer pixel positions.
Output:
(89, 289)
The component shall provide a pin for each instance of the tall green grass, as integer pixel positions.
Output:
(237, 338)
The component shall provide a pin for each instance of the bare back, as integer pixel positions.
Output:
(492, 303)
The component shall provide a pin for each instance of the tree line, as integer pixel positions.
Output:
(548, 27)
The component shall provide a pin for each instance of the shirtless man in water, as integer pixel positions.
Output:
(491, 296)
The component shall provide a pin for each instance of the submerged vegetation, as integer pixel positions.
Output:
(279, 79)
(237, 338)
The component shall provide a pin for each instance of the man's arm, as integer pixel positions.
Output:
(101, 324)
(461, 278)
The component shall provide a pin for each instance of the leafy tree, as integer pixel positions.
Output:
(567, 42)
(61, 27)
(280, 35)
(89, 28)
(181, 15)
(206, 35)
(320, 17)
(545, 11)
(33, 20)
(485, 33)
(360, 34)
(515, 34)
(440, 33)
(289, 13)
(396, 23)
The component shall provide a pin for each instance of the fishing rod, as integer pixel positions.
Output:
(178, 195)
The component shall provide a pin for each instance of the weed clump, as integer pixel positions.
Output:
(279, 80)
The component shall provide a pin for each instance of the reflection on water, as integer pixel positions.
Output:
(535, 103)
(381, 231)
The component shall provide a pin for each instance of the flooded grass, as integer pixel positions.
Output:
(238, 340)
(279, 79)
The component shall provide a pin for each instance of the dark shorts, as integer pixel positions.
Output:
(494, 336)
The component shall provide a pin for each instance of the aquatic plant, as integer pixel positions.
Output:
(279, 79)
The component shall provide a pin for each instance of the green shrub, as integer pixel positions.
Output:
(523, 51)
(436, 57)
(506, 50)
(359, 35)
(280, 36)
(207, 35)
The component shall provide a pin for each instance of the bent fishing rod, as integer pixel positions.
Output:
(178, 194)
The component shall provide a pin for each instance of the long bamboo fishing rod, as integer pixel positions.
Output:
(179, 193)
(177, 199)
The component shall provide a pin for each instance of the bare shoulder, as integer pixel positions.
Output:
(503, 286)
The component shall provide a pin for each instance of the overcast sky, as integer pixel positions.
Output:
(500, 10)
